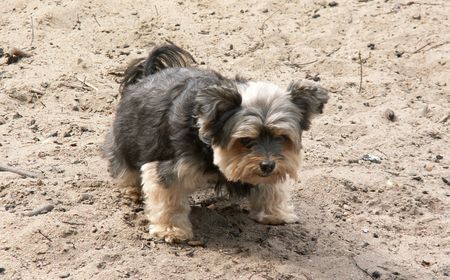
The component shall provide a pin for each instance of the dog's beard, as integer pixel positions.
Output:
(237, 165)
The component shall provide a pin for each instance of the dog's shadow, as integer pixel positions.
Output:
(231, 229)
(220, 225)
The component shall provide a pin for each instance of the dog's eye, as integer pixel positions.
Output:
(246, 141)
(283, 138)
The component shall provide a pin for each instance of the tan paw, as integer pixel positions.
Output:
(278, 219)
(170, 234)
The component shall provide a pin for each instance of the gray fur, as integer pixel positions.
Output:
(171, 113)
(310, 98)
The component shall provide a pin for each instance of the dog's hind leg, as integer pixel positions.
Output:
(126, 176)
(269, 204)
(167, 207)
(131, 180)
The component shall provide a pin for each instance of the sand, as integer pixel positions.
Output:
(358, 219)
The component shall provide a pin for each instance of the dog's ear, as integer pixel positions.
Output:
(310, 98)
(216, 104)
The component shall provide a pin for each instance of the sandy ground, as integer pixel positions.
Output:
(359, 220)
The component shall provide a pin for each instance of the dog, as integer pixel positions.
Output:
(178, 128)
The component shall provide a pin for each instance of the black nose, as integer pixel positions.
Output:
(267, 166)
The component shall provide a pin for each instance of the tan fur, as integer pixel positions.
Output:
(167, 207)
(237, 165)
(269, 204)
(190, 176)
(130, 180)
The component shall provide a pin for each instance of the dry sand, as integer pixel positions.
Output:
(359, 220)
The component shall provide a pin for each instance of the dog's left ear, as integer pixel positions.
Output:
(216, 103)
(310, 97)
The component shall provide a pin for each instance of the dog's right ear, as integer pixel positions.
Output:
(216, 103)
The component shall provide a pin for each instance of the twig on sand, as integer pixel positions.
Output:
(299, 65)
(437, 46)
(263, 25)
(362, 269)
(86, 83)
(421, 48)
(73, 223)
(95, 18)
(32, 30)
(169, 41)
(360, 72)
(45, 236)
(18, 171)
(333, 51)
(445, 118)
(145, 245)
(430, 48)
(37, 91)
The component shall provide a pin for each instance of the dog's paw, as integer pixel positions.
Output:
(170, 234)
(275, 219)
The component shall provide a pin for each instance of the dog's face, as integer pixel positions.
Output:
(255, 128)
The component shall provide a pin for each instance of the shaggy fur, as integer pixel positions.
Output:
(178, 128)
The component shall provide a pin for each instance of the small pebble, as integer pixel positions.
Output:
(399, 53)
(2, 270)
(40, 210)
(190, 254)
(371, 158)
(196, 243)
(390, 115)
(416, 17)
(333, 4)
(371, 46)
(446, 180)
(417, 178)
(428, 167)
(64, 275)
(445, 118)
(376, 274)
(425, 110)
(17, 116)
(85, 196)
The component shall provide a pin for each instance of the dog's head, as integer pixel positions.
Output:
(255, 128)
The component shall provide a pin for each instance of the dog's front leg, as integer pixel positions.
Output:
(166, 206)
(269, 204)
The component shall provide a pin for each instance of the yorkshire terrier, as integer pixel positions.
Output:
(179, 128)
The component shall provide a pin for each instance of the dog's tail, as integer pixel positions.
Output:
(162, 57)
